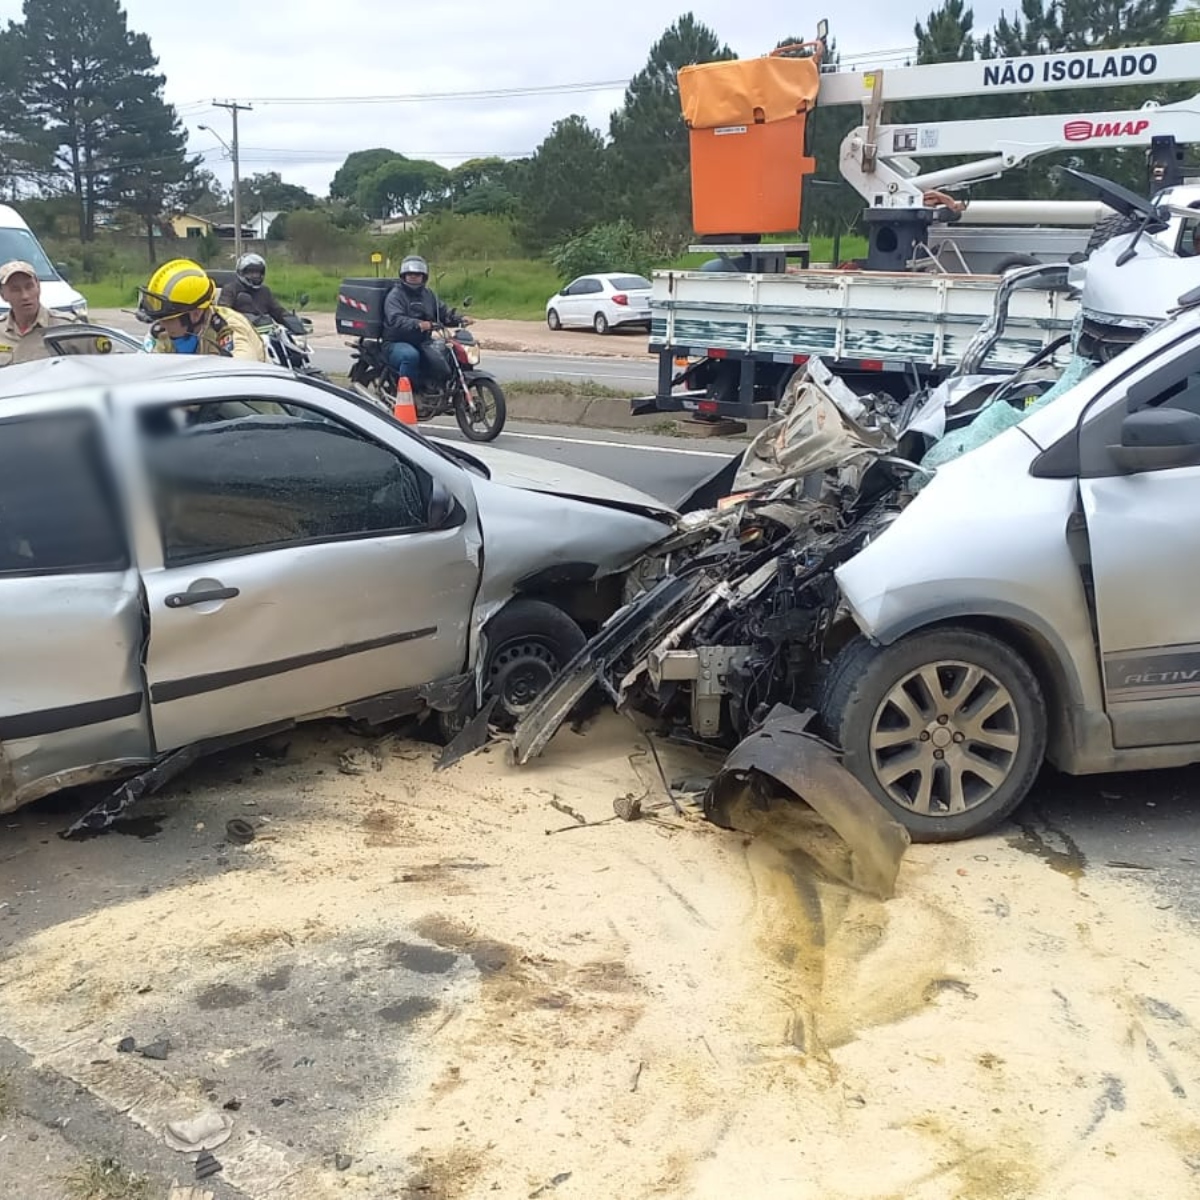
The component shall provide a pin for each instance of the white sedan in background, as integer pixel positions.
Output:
(601, 302)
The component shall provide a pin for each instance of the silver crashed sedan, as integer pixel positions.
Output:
(200, 551)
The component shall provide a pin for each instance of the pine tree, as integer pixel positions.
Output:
(649, 151)
(88, 86)
(563, 189)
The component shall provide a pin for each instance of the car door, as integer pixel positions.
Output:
(593, 300)
(569, 308)
(71, 631)
(296, 567)
(1144, 541)
(89, 339)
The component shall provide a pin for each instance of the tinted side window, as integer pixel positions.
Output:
(592, 286)
(572, 288)
(1176, 384)
(58, 506)
(264, 480)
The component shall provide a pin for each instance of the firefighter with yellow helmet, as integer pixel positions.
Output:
(178, 302)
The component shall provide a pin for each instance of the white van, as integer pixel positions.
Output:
(17, 241)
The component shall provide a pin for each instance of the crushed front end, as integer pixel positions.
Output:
(734, 613)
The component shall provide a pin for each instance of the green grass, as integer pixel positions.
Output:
(516, 289)
(7, 1099)
(106, 1179)
(512, 289)
(583, 390)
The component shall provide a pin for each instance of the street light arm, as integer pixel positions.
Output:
(210, 129)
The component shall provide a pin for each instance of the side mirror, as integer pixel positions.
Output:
(303, 299)
(442, 506)
(467, 300)
(1157, 439)
(63, 272)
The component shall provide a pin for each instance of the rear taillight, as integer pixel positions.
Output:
(620, 298)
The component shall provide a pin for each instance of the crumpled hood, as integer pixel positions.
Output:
(534, 474)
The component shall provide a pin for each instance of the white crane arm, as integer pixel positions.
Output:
(1134, 65)
(885, 169)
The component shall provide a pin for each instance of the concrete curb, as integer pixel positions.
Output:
(604, 412)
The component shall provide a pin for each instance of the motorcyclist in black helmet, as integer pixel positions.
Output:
(248, 294)
(410, 311)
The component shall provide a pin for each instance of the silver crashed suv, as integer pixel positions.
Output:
(1038, 599)
(194, 551)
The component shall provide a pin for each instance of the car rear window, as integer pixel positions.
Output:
(630, 283)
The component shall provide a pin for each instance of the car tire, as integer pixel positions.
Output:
(879, 706)
(600, 324)
(528, 644)
(554, 320)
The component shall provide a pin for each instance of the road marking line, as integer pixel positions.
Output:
(549, 437)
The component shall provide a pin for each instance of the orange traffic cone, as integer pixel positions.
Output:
(405, 410)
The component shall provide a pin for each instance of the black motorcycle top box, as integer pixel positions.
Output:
(360, 307)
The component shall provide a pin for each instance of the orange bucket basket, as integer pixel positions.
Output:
(745, 124)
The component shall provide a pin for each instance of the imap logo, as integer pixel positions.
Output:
(1087, 131)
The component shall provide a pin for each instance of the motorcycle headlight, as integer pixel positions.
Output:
(473, 355)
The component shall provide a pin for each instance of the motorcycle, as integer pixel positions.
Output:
(286, 344)
(473, 396)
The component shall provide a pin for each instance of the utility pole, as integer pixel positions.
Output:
(234, 108)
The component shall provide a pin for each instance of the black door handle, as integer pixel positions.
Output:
(184, 599)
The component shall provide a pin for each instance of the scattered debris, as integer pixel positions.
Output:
(356, 761)
(783, 751)
(207, 1165)
(567, 810)
(206, 1131)
(156, 1050)
(637, 1076)
(473, 736)
(546, 1187)
(342, 1162)
(628, 808)
(240, 832)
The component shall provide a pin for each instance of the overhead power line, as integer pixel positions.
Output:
(509, 93)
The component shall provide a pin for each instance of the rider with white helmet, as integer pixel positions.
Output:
(248, 293)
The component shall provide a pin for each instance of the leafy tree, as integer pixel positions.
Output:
(402, 185)
(151, 173)
(564, 185)
(267, 192)
(345, 216)
(828, 205)
(357, 165)
(311, 233)
(1185, 24)
(86, 82)
(618, 246)
(483, 187)
(208, 193)
(649, 138)
(487, 200)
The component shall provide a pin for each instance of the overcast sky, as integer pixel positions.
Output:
(357, 48)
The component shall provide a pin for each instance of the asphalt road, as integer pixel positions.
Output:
(664, 467)
(622, 374)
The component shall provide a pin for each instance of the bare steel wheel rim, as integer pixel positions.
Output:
(520, 671)
(944, 740)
